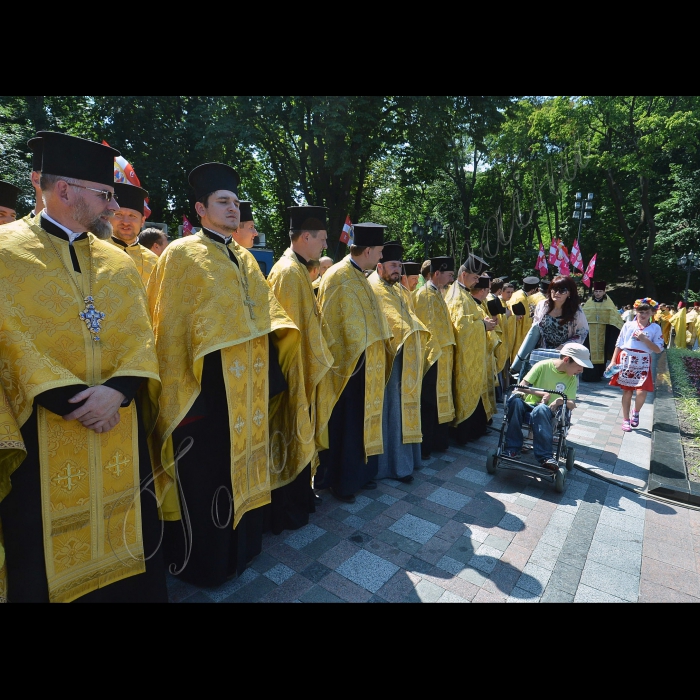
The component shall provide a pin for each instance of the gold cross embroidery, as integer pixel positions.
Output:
(116, 464)
(238, 369)
(68, 476)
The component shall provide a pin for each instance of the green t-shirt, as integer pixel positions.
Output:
(544, 376)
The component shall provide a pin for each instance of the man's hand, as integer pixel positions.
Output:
(556, 405)
(490, 323)
(101, 410)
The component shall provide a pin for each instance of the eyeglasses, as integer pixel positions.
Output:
(106, 195)
(560, 291)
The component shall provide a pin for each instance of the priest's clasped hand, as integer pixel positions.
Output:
(100, 413)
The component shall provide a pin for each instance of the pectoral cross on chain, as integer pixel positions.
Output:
(250, 304)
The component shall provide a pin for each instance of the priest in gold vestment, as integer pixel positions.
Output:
(401, 427)
(79, 376)
(223, 343)
(437, 404)
(128, 222)
(474, 363)
(350, 398)
(679, 326)
(296, 453)
(530, 295)
(605, 324)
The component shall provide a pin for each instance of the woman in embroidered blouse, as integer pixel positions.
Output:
(638, 339)
(560, 317)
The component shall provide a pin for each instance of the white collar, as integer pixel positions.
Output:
(71, 234)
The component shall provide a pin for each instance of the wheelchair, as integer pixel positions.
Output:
(564, 454)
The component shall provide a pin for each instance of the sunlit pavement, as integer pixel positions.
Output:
(458, 535)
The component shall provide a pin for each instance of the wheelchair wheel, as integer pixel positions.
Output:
(570, 458)
(491, 462)
(560, 480)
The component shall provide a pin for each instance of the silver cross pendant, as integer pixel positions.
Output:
(93, 318)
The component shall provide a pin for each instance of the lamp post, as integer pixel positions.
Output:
(690, 263)
(429, 233)
(583, 211)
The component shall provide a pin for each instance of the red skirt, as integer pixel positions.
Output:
(635, 372)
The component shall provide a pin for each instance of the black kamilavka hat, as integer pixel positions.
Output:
(442, 264)
(308, 218)
(246, 211)
(212, 177)
(475, 264)
(79, 159)
(131, 197)
(8, 195)
(496, 307)
(37, 146)
(369, 235)
(483, 283)
(411, 268)
(393, 252)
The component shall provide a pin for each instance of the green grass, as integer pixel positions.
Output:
(687, 400)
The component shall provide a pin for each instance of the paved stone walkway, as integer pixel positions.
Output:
(458, 535)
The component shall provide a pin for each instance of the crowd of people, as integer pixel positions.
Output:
(164, 404)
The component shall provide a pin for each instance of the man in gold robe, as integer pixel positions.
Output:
(679, 326)
(295, 453)
(79, 373)
(605, 324)
(401, 427)
(223, 343)
(474, 364)
(691, 326)
(350, 398)
(128, 222)
(437, 404)
(246, 233)
(480, 292)
(663, 318)
(410, 276)
(530, 295)
(8, 202)
(507, 329)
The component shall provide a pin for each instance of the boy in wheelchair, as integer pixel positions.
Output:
(539, 408)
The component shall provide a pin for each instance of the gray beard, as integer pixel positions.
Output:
(99, 228)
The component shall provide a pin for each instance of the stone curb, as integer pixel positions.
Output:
(667, 475)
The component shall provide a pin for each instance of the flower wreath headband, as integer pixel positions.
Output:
(646, 301)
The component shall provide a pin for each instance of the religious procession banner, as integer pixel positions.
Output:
(192, 317)
(409, 335)
(90, 482)
(357, 325)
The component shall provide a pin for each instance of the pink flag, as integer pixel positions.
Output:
(553, 247)
(542, 262)
(576, 259)
(590, 271)
(347, 235)
(187, 228)
(562, 254)
(564, 269)
(124, 173)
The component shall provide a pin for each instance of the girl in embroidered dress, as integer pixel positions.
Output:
(639, 338)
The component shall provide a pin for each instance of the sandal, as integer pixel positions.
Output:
(634, 422)
(626, 428)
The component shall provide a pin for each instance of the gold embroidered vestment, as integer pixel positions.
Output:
(409, 335)
(90, 485)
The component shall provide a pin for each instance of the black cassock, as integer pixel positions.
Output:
(436, 437)
(343, 466)
(475, 427)
(212, 551)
